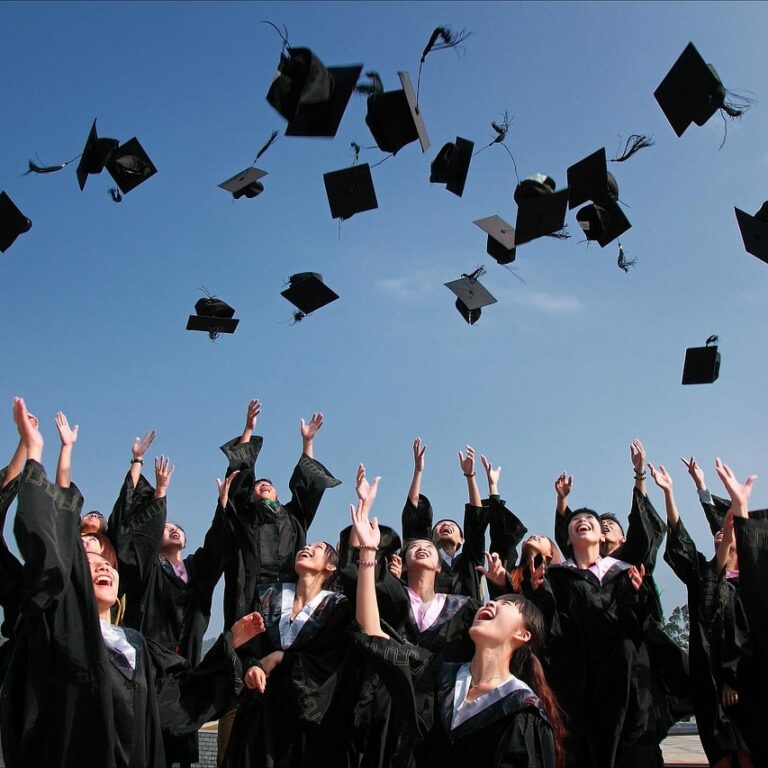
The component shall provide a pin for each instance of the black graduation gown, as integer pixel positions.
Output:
(11, 570)
(264, 542)
(719, 635)
(594, 631)
(510, 733)
(393, 609)
(752, 547)
(460, 577)
(506, 532)
(295, 722)
(67, 699)
(159, 604)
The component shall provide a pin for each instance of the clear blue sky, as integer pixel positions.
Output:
(561, 374)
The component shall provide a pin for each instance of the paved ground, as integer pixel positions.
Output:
(683, 750)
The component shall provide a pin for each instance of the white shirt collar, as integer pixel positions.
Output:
(290, 628)
(463, 710)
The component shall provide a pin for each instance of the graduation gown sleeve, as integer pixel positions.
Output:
(416, 521)
(308, 483)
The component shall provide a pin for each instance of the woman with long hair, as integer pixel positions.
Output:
(496, 709)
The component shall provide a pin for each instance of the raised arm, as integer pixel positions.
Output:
(163, 471)
(663, 480)
(563, 486)
(252, 415)
(467, 464)
(637, 454)
(418, 470)
(367, 531)
(16, 464)
(138, 449)
(309, 431)
(68, 436)
(506, 529)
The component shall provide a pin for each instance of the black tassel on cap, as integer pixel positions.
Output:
(634, 143)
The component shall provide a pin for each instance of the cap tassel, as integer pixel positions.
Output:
(634, 143)
(115, 194)
(440, 39)
(501, 129)
(623, 262)
(373, 87)
(34, 168)
(283, 34)
(560, 234)
(272, 139)
(297, 317)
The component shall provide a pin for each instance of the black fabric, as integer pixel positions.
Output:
(265, 542)
(11, 570)
(296, 720)
(594, 632)
(718, 642)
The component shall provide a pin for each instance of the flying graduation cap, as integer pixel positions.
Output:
(540, 210)
(309, 95)
(307, 292)
(245, 184)
(754, 231)
(471, 295)
(451, 165)
(12, 222)
(702, 364)
(213, 316)
(589, 179)
(350, 191)
(691, 92)
(95, 155)
(500, 244)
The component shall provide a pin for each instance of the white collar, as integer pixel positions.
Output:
(463, 710)
(290, 628)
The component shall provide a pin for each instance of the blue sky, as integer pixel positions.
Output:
(561, 374)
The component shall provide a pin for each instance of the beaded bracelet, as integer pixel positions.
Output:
(368, 563)
(373, 549)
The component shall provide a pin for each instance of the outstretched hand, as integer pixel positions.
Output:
(29, 433)
(537, 574)
(739, 492)
(366, 492)
(661, 477)
(467, 461)
(493, 570)
(247, 628)
(163, 471)
(418, 455)
(224, 486)
(252, 414)
(367, 531)
(310, 429)
(492, 474)
(67, 435)
(395, 565)
(563, 485)
(637, 454)
(141, 444)
(636, 576)
(255, 679)
(695, 471)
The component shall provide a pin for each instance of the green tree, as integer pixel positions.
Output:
(678, 626)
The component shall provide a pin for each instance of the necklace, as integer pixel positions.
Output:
(473, 684)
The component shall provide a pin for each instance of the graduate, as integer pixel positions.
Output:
(167, 596)
(288, 718)
(719, 636)
(595, 608)
(496, 710)
(80, 691)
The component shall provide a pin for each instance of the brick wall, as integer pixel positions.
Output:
(207, 746)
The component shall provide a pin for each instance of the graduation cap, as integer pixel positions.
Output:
(702, 364)
(129, 165)
(214, 316)
(12, 222)
(451, 165)
(96, 153)
(471, 295)
(308, 292)
(589, 179)
(540, 210)
(309, 95)
(500, 244)
(394, 118)
(603, 223)
(754, 231)
(691, 92)
(350, 191)
(245, 184)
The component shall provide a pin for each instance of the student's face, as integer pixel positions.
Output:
(92, 523)
(173, 536)
(612, 532)
(105, 581)
(446, 532)
(539, 545)
(263, 489)
(313, 558)
(91, 544)
(499, 622)
(422, 553)
(585, 529)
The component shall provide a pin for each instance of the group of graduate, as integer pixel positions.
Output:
(418, 648)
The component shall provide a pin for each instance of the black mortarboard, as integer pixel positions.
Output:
(350, 191)
(245, 184)
(603, 223)
(12, 222)
(129, 165)
(500, 244)
(690, 92)
(308, 292)
(471, 297)
(589, 179)
(214, 316)
(95, 154)
(754, 231)
(309, 95)
(702, 364)
(395, 119)
(451, 165)
(540, 210)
